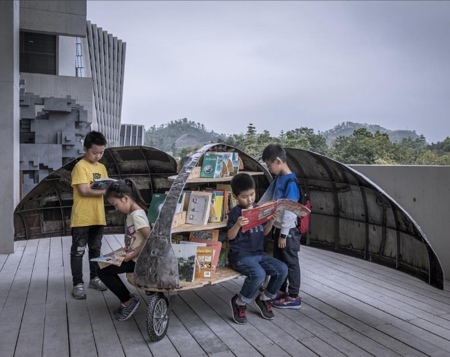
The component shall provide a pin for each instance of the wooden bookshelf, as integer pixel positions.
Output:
(210, 180)
(222, 274)
(198, 227)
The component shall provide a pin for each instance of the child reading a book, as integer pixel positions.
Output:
(247, 255)
(126, 198)
(286, 235)
(88, 213)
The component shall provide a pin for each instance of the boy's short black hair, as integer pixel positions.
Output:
(274, 151)
(94, 138)
(242, 182)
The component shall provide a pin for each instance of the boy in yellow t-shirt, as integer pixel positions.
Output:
(88, 213)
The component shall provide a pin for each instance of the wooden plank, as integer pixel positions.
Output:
(56, 336)
(416, 338)
(324, 299)
(256, 337)
(81, 336)
(31, 333)
(14, 306)
(235, 342)
(401, 305)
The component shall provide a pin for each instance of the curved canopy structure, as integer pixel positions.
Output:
(45, 211)
(350, 214)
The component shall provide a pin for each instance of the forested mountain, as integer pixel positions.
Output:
(180, 134)
(347, 129)
(349, 143)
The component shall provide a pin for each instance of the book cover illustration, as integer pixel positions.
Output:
(114, 258)
(199, 208)
(212, 234)
(216, 245)
(185, 254)
(204, 262)
(264, 212)
(217, 207)
(155, 206)
(211, 166)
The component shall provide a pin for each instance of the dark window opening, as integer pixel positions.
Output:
(37, 53)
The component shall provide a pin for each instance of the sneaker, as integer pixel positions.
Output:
(288, 302)
(238, 311)
(264, 307)
(78, 292)
(280, 294)
(127, 311)
(97, 284)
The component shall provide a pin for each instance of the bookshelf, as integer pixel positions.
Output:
(198, 227)
(201, 180)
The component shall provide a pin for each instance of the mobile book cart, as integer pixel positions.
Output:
(156, 269)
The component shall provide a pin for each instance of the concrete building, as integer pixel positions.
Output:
(61, 77)
(132, 135)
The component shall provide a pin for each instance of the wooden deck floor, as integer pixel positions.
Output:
(350, 308)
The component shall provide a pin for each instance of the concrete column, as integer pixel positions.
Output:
(9, 121)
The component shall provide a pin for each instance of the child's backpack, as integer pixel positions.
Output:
(303, 223)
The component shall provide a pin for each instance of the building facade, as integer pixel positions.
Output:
(61, 77)
(132, 135)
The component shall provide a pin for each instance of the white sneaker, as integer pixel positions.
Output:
(97, 284)
(78, 292)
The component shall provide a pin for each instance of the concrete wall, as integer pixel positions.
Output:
(63, 17)
(424, 192)
(9, 120)
(66, 56)
(46, 85)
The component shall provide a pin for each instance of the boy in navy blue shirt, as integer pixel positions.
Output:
(247, 255)
(286, 235)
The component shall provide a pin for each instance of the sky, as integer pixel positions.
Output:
(282, 65)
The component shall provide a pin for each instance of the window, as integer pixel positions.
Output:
(37, 53)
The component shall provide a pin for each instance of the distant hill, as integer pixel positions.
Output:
(180, 134)
(347, 128)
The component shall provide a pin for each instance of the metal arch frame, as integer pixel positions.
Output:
(56, 182)
(431, 270)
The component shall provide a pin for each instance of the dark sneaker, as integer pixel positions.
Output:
(264, 307)
(78, 292)
(288, 302)
(280, 295)
(238, 311)
(97, 284)
(127, 311)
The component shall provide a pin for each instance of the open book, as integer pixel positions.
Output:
(264, 212)
(114, 258)
(102, 184)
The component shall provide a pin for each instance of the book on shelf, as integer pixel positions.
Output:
(112, 258)
(204, 262)
(232, 201)
(217, 207)
(211, 166)
(155, 206)
(102, 184)
(230, 165)
(185, 254)
(216, 245)
(180, 204)
(199, 207)
(223, 257)
(259, 215)
(210, 234)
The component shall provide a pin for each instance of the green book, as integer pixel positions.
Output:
(155, 206)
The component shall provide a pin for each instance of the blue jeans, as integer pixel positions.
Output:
(255, 268)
